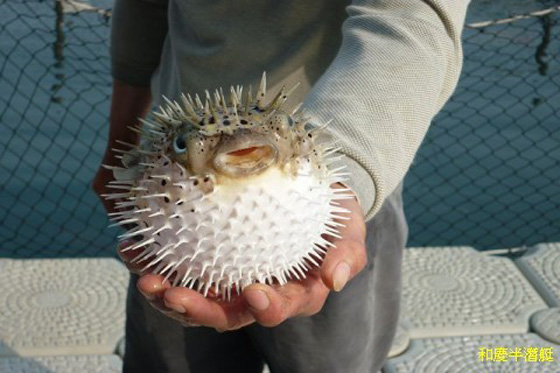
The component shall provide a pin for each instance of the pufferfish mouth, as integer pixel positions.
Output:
(247, 159)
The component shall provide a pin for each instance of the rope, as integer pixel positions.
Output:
(537, 14)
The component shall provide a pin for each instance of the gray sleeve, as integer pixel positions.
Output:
(138, 30)
(398, 64)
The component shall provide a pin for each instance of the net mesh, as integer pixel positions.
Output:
(487, 174)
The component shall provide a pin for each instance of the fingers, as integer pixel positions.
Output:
(343, 263)
(207, 311)
(152, 287)
(190, 307)
(271, 305)
(349, 256)
(268, 305)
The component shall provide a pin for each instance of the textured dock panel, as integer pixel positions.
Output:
(62, 306)
(461, 355)
(546, 323)
(400, 342)
(121, 347)
(452, 291)
(62, 364)
(541, 265)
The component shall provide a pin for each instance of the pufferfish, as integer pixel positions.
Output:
(222, 194)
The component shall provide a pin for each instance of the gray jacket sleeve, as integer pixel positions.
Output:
(138, 30)
(398, 64)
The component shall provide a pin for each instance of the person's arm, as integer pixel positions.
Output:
(398, 64)
(138, 31)
(128, 103)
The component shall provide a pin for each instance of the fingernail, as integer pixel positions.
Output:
(148, 297)
(341, 276)
(257, 299)
(175, 306)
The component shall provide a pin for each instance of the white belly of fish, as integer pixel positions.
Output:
(259, 229)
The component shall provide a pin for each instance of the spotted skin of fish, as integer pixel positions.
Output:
(225, 193)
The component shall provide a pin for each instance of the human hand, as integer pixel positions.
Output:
(269, 305)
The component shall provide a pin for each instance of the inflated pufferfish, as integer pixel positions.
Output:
(227, 194)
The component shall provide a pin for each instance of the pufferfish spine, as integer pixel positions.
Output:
(222, 195)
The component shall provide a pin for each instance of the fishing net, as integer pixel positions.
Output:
(487, 174)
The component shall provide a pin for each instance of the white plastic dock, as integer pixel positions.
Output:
(67, 315)
(61, 364)
(456, 291)
(465, 311)
(61, 315)
(460, 355)
(541, 265)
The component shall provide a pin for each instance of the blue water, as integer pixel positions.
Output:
(53, 115)
(487, 174)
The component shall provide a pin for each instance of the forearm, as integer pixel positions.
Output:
(398, 64)
(138, 31)
(128, 103)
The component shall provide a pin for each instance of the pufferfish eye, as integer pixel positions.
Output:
(179, 145)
